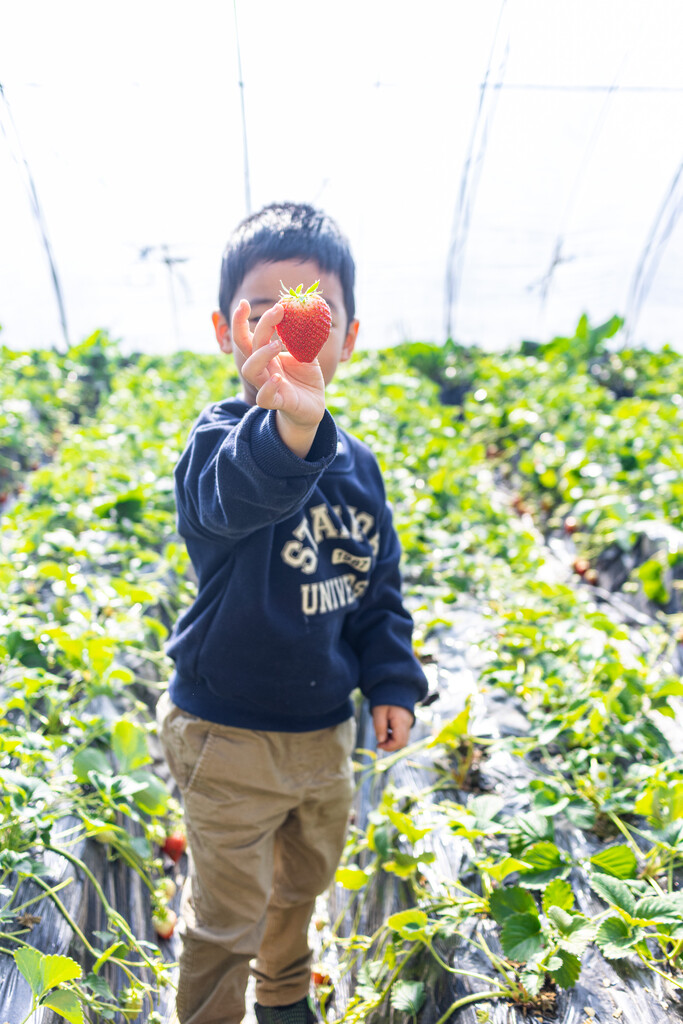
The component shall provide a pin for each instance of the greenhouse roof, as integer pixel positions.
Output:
(500, 168)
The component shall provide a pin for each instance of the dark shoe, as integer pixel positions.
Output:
(295, 1013)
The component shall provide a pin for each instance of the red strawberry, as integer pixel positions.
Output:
(164, 921)
(175, 844)
(305, 327)
(320, 975)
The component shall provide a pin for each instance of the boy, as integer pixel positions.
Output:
(298, 603)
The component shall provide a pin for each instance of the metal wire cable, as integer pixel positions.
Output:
(25, 171)
(662, 228)
(469, 181)
(245, 149)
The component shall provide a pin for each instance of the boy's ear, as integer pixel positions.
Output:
(350, 341)
(222, 329)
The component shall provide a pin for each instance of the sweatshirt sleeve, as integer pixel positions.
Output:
(380, 631)
(236, 475)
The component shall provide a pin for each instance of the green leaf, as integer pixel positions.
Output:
(453, 732)
(100, 986)
(408, 996)
(547, 863)
(558, 893)
(613, 891)
(405, 827)
(672, 687)
(499, 870)
(155, 796)
(614, 938)
(532, 828)
(45, 971)
(503, 903)
(533, 979)
(25, 650)
(129, 743)
(410, 924)
(576, 931)
(580, 813)
(112, 950)
(485, 809)
(404, 864)
(521, 936)
(548, 800)
(58, 969)
(66, 1004)
(651, 574)
(87, 760)
(352, 878)
(618, 861)
(652, 909)
(568, 973)
(379, 838)
(28, 962)
(129, 505)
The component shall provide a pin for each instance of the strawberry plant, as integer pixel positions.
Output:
(486, 456)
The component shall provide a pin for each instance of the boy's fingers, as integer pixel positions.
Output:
(241, 335)
(270, 395)
(263, 332)
(392, 726)
(256, 369)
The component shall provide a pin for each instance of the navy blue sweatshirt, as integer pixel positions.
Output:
(299, 592)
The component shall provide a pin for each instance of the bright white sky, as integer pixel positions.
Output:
(128, 116)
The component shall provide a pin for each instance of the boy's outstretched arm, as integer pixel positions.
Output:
(392, 726)
(296, 391)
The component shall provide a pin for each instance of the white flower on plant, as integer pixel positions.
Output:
(600, 774)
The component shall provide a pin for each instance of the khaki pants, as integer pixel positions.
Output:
(266, 816)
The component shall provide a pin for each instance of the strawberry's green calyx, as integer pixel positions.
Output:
(299, 293)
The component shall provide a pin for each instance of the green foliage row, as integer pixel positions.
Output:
(93, 575)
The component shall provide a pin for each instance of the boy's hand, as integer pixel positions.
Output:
(296, 391)
(392, 726)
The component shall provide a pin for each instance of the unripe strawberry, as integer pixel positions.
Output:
(164, 921)
(571, 524)
(131, 1003)
(165, 889)
(305, 327)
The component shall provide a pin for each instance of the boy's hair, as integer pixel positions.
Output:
(286, 231)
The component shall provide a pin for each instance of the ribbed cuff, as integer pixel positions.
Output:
(274, 458)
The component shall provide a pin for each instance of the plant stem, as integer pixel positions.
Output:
(64, 912)
(113, 915)
(667, 977)
(455, 970)
(474, 997)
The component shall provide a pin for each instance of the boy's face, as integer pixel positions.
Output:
(261, 288)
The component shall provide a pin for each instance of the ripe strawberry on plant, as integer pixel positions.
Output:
(305, 327)
(320, 975)
(164, 921)
(175, 844)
